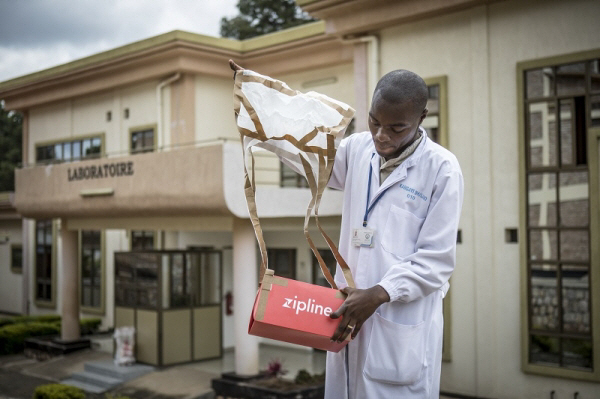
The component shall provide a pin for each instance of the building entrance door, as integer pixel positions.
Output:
(173, 299)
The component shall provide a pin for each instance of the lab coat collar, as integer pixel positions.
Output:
(399, 173)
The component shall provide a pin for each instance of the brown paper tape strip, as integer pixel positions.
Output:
(317, 188)
(265, 287)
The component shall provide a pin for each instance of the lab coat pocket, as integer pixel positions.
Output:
(401, 232)
(396, 352)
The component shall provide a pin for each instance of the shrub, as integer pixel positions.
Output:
(89, 326)
(58, 391)
(14, 331)
(6, 321)
(44, 318)
(12, 336)
(305, 378)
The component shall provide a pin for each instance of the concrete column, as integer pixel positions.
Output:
(27, 262)
(485, 279)
(69, 285)
(361, 87)
(245, 283)
(26, 231)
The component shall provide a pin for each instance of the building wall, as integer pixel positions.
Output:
(11, 283)
(478, 51)
(140, 100)
(88, 115)
(214, 109)
(557, 28)
(336, 82)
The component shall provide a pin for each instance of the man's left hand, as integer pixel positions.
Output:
(356, 309)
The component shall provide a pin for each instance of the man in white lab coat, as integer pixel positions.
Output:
(402, 201)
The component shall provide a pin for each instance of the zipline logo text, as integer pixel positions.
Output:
(310, 306)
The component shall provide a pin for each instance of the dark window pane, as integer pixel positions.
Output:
(283, 262)
(539, 82)
(85, 149)
(434, 91)
(86, 263)
(149, 139)
(48, 235)
(142, 141)
(40, 236)
(574, 199)
(58, 154)
(542, 244)
(43, 264)
(96, 146)
(570, 79)
(39, 293)
(576, 299)
(206, 273)
(595, 72)
(67, 151)
(544, 350)
(542, 134)
(289, 178)
(544, 297)
(142, 240)
(86, 296)
(136, 142)
(433, 104)
(431, 125)
(595, 111)
(577, 353)
(40, 154)
(77, 149)
(542, 199)
(16, 257)
(96, 302)
(566, 132)
(179, 295)
(91, 265)
(574, 245)
(330, 262)
(97, 258)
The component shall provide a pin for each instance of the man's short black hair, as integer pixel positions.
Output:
(402, 86)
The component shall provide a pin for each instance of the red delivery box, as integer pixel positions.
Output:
(293, 311)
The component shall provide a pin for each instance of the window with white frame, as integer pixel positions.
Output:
(561, 103)
(69, 150)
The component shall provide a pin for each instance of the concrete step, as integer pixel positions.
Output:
(124, 373)
(99, 380)
(86, 387)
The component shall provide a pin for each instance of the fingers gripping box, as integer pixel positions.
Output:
(296, 312)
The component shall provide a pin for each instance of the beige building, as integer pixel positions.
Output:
(136, 149)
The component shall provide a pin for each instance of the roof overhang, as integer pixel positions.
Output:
(355, 17)
(173, 52)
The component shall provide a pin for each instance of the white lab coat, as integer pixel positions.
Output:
(397, 353)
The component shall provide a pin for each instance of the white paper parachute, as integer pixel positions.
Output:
(302, 129)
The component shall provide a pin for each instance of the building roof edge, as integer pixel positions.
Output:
(240, 46)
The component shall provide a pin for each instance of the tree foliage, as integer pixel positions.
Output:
(258, 17)
(11, 125)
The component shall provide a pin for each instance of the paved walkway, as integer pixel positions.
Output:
(19, 375)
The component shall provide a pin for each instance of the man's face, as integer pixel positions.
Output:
(393, 126)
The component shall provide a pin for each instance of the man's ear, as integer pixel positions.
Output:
(423, 115)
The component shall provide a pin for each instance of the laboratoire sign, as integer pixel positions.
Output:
(101, 171)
